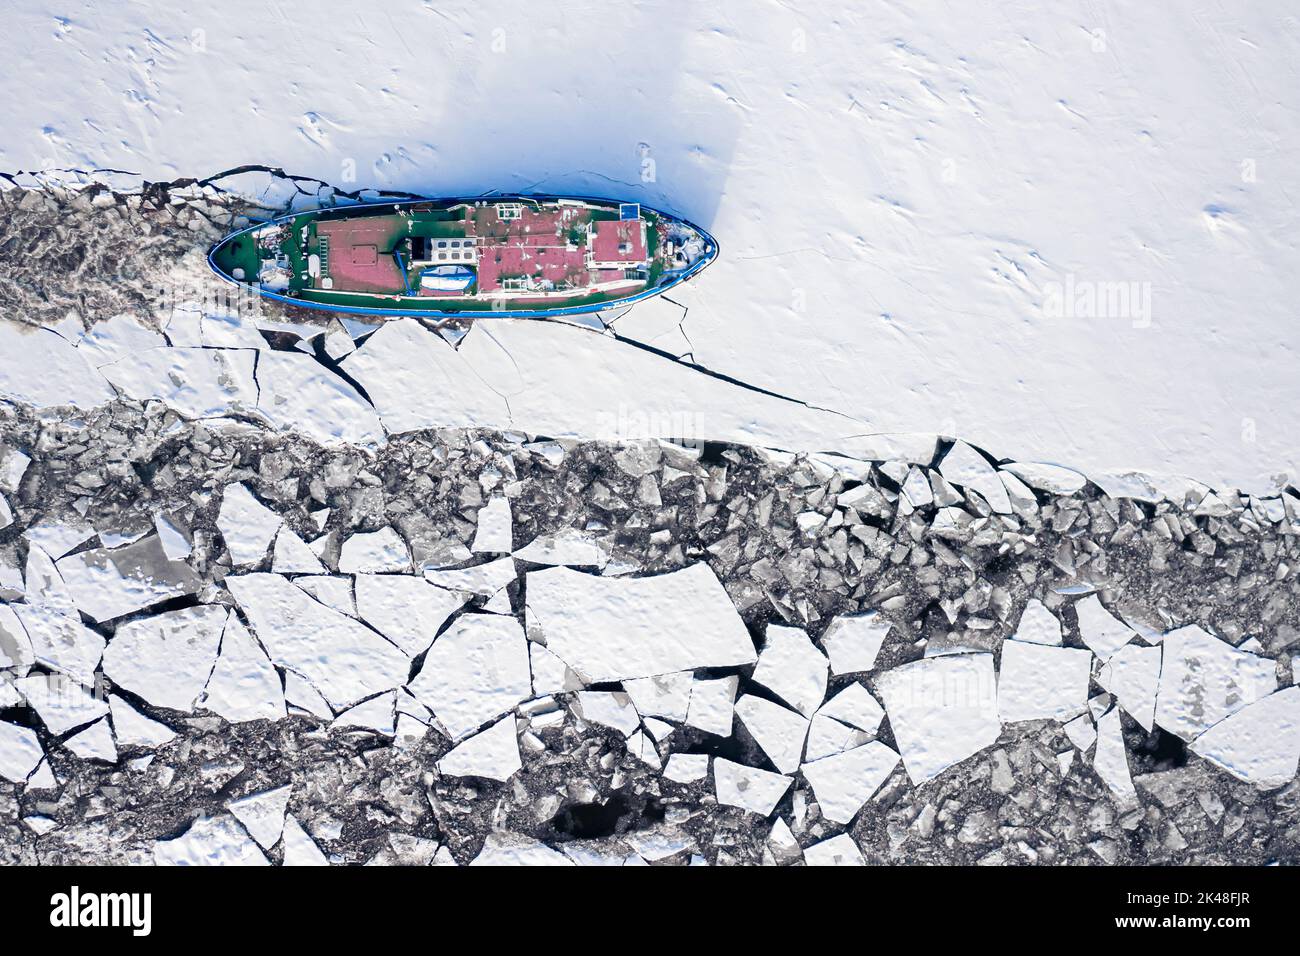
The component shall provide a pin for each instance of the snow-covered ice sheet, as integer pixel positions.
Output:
(1204, 679)
(970, 265)
(1037, 681)
(1259, 743)
(210, 841)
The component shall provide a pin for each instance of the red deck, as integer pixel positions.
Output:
(549, 244)
(621, 241)
(534, 245)
(360, 257)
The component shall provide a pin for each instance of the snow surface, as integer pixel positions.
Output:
(750, 788)
(210, 841)
(109, 582)
(837, 851)
(1100, 629)
(792, 668)
(474, 672)
(712, 705)
(615, 628)
(262, 814)
(94, 743)
(375, 551)
(166, 659)
(61, 703)
(852, 643)
(243, 685)
(343, 658)
(407, 610)
(246, 524)
(967, 167)
(20, 752)
(779, 731)
(1111, 758)
(491, 753)
(1133, 675)
(299, 848)
(1040, 682)
(1038, 625)
(60, 642)
(1259, 743)
(134, 729)
(942, 710)
(1204, 679)
(845, 781)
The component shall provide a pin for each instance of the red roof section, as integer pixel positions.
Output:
(549, 244)
(610, 235)
(357, 260)
(534, 245)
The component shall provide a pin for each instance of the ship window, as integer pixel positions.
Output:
(442, 255)
(442, 243)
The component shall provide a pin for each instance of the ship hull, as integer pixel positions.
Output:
(672, 252)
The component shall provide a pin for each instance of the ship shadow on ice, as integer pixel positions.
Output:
(606, 113)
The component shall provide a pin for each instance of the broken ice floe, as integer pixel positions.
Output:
(792, 668)
(843, 782)
(1038, 681)
(344, 659)
(1259, 743)
(243, 684)
(682, 695)
(375, 552)
(94, 742)
(780, 732)
(210, 841)
(1101, 630)
(61, 703)
(492, 753)
(61, 642)
(20, 752)
(166, 659)
(262, 814)
(109, 582)
(1132, 674)
(617, 628)
(1203, 680)
(749, 788)
(407, 610)
(474, 672)
(942, 710)
(852, 643)
(247, 525)
(836, 851)
(1111, 757)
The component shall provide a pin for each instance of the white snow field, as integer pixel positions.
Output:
(1066, 233)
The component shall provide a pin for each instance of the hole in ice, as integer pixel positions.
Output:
(1158, 750)
(586, 821)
